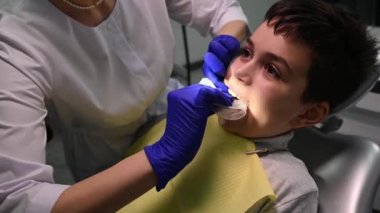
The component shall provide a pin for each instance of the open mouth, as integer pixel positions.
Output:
(236, 111)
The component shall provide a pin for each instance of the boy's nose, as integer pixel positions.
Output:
(244, 74)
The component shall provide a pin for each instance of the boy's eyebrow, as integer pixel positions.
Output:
(279, 59)
(272, 56)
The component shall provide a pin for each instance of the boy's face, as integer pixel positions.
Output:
(270, 75)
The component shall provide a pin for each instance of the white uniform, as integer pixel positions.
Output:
(94, 82)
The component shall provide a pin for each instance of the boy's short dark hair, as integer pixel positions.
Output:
(343, 53)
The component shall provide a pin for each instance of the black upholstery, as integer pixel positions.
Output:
(346, 168)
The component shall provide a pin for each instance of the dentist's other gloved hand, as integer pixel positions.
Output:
(221, 50)
(188, 110)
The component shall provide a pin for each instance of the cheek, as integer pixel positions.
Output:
(277, 95)
(277, 110)
(269, 104)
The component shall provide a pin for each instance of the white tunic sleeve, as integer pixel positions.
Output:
(206, 16)
(26, 182)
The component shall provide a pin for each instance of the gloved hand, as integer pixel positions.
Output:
(221, 50)
(188, 110)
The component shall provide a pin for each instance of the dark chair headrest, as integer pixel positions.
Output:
(363, 89)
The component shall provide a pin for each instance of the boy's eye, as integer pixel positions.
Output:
(272, 70)
(245, 52)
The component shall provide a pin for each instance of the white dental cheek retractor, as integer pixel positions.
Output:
(236, 111)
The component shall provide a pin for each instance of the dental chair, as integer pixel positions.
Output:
(346, 168)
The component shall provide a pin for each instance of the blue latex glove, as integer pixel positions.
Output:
(221, 50)
(188, 110)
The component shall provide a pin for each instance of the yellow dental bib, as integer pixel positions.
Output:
(221, 178)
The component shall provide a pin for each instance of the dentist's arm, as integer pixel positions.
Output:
(110, 190)
(237, 29)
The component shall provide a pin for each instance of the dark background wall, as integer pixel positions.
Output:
(367, 10)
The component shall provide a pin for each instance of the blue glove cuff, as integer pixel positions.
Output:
(158, 170)
(163, 166)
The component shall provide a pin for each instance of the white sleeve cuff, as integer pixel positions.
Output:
(234, 13)
(45, 198)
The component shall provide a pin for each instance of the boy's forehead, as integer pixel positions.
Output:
(296, 53)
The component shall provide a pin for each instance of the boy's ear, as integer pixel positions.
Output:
(315, 113)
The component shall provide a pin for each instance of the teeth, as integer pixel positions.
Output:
(233, 94)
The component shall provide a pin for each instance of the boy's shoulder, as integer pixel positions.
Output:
(290, 179)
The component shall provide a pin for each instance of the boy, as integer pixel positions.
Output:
(298, 66)
(305, 59)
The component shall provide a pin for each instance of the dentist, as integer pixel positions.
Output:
(94, 67)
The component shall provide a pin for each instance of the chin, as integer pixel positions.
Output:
(233, 126)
